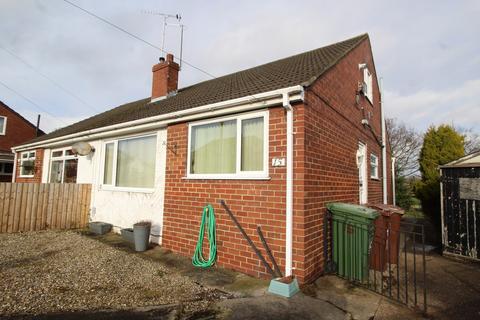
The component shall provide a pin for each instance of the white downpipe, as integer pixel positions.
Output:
(393, 182)
(14, 167)
(289, 189)
(384, 146)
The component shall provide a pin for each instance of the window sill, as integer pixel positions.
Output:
(125, 189)
(226, 178)
(375, 178)
(26, 176)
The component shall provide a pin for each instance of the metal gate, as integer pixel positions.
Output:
(460, 192)
(389, 261)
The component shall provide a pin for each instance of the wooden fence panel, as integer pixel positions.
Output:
(3, 214)
(41, 206)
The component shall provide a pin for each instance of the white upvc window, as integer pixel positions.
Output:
(63, 166)
(27, 164)
(234, 147)
(373, 166)
(129, 163)
(368, 80)
(3, 125)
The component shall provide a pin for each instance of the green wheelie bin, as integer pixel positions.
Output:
(352, 235)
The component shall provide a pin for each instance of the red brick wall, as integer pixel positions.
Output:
(18, 129)
(327, 132)
(37, 177)
(254, 202)
(332, 133)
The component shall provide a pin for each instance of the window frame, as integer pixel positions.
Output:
(368, 80)
(28, 158)
(4, 129)
(62, 158)
(113, 187)
(239, 174)
(374, 174)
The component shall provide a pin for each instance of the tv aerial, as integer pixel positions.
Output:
(166, 17)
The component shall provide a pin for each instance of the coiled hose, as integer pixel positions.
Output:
(208, 218)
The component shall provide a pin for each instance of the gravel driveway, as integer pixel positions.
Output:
(44, 272)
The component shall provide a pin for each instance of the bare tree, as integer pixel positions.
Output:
(405, 143)
(472, 139)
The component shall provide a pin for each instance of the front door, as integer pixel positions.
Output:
(362, 173)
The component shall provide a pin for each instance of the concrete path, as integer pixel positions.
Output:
(453, 288)
(278, 308)
(360, 303)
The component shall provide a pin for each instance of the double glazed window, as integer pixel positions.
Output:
(373, 166)
(27, 164)
(368, 79)
(130, 162)
(229, 147)
(3, 125)
(63, 168)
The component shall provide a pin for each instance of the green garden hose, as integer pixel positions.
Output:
(208, 217)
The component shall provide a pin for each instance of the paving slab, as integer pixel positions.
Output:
(272, 307)
(360, 303)
(453, 288)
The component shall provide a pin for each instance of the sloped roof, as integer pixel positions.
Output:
(2, 104)
(470, 160)
(300, 69)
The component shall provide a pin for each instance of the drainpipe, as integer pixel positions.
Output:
(14, 167)
(289, 187)
(393, 182)
(384, 146)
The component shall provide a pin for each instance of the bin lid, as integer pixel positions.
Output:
(352, 209)
(387, 209)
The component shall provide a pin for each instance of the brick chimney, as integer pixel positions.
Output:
(165, 77)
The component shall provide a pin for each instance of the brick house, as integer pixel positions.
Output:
(276, 142)
(14, 130)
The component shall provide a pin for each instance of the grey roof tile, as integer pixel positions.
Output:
(300, 69)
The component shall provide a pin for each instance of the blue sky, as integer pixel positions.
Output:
(427, 52)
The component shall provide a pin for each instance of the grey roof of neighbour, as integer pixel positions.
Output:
(300, 69)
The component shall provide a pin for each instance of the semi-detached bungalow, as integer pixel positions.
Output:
(276, 142)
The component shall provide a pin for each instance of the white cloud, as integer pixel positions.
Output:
(426, 50)
(48, 123)
(458, 105)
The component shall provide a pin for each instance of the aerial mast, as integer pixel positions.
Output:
(166, 17)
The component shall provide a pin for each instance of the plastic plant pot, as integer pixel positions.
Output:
(127, 235)
(141, 235)
(99, 228)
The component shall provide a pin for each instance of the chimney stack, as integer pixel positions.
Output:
(165, 77)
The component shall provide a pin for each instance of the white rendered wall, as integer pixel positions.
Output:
(121, 208)
(124, 208)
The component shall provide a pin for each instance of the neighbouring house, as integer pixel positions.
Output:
(276, 142)
(460, 206)
(14, 130)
